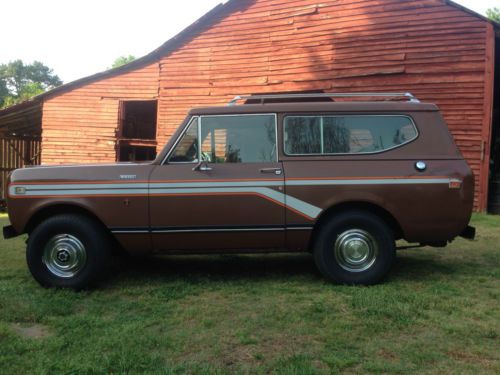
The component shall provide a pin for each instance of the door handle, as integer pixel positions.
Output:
(271, 170)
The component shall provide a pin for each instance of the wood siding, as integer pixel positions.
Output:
(431, 49)
(436, 51)
(79, 126)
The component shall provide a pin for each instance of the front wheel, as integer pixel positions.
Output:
(67, 251)
(355, 247)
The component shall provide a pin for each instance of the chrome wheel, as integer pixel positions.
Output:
(355, 250)
(64, 255)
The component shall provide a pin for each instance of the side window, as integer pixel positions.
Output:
(346, 134)
(186, 151)
(238, 139)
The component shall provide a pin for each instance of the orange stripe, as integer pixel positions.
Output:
(78, 196)
(364, 178)
(80, 182)
(137, 181)
(221, 180)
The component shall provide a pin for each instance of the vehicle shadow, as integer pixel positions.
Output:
(216, 267)
(414, 268)
(257, 267)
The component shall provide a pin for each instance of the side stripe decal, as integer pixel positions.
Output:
(381, 181)
(262, 188)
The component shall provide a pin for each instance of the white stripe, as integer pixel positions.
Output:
(209, 184)
(259, 190)
(82, 186)
(385, 181)
(255, 187)
(37, 193)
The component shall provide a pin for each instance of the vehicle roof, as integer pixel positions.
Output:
(378, 106)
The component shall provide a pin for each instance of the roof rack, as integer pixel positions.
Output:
(262, 98)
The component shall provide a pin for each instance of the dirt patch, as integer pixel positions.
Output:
(34, 331)
(463, 356)
(386, 354)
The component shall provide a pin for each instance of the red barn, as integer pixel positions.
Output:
(435, 49)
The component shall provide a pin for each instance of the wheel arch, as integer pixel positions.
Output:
(47, 211)
(68, 208)
(373, 208)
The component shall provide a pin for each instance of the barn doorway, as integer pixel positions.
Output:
(494, 188)
(136, 132)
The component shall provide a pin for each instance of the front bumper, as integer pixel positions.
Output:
(9, 232)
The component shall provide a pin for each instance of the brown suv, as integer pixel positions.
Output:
(342, 180)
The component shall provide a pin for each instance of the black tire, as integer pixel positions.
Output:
(69, 232)
(337, 237)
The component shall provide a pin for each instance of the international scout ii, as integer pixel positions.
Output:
(340, 179)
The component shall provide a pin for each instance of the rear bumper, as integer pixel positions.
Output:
(9, 232)
(468, 233)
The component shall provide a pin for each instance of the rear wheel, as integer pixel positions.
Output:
(355, 247)
(68, 251)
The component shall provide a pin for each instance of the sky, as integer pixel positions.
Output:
(77, 38)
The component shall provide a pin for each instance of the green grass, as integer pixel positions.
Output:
(437, 313)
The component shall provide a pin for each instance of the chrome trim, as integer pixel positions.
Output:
(64, 255)
(350, 153)
(130, 231)
(277, 229)
(195, 230)
(355, 250)
(411, 98)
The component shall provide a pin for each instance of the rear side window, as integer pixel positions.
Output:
(349, 134)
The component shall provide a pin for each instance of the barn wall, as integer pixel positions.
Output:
(79, 125)
(431, 49)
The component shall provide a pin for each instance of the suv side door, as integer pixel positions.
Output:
(220, 187)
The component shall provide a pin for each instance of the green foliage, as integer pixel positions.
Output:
(260, 314)
(122, 60)
(493, 14)
(20, 81)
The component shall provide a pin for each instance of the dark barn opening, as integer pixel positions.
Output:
(20, 141)
(494, 180)
(136, 136)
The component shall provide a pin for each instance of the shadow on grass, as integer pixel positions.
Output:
(243, 268)
(218, 267)
(412, 268)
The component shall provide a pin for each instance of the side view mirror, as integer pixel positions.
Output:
(202, 166)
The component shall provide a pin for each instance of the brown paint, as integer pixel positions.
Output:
(425, 212)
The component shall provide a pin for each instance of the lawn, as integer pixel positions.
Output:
(437, 313)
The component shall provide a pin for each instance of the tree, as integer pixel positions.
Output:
(20, 82)
(122, 60)
(493, 14)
